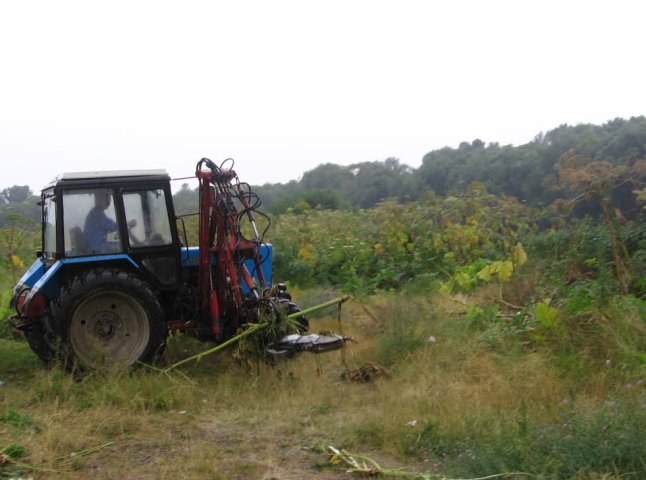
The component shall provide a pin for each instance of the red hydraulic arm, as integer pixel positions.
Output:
(222, 247)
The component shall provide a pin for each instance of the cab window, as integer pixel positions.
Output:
(49, 227)
(147, 211)
(90, 222)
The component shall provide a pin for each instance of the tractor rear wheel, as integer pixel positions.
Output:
(38, 340)
(109, 317)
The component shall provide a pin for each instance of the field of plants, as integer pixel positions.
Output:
(492, 337)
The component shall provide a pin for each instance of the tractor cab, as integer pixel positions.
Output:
(112, 216)
(94, 220)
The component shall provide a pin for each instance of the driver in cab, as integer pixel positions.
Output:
(98, 225)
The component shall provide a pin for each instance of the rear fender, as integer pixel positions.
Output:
(28, 280)
(48, 284)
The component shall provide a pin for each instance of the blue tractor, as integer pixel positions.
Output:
(114, 275)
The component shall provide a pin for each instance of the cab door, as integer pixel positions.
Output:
(151, 237)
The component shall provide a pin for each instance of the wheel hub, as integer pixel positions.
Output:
(105, 325)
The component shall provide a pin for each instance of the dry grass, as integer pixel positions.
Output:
(225, 421)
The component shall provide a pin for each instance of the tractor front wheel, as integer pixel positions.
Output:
(109, 317)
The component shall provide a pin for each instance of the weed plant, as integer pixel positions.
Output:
(406, 328)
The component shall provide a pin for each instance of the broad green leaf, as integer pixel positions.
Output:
(505, 269)
(445, 288)
(486, 273)
(518, 254)
(546, 315)
(17, 261)
(464, 280)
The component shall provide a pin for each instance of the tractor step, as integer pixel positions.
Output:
(311, 342)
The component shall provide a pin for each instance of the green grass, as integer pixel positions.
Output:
(15, 360)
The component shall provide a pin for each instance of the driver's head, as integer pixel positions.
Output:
(102, 198)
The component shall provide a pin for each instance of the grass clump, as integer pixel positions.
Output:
(604, 439)
(406, 326)
(15, 418)
(14, 451)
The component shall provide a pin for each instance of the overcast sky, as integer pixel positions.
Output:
(283, 86)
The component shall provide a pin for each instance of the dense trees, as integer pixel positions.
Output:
(18, 201)
(527, 172)
(360, 185)
(15, 194)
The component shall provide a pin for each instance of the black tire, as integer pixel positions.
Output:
(39, 340)
(108, 317)
(290, 308)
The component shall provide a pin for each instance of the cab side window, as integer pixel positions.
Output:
(49, 226)
(151, 224)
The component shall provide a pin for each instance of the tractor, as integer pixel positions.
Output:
(115, 273)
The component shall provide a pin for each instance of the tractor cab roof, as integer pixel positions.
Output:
(108, 176)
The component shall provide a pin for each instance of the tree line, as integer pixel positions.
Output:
(536, 173)
(532, 173)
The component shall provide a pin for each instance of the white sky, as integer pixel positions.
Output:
(283, 86)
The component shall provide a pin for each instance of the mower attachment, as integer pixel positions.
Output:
(306, 343)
